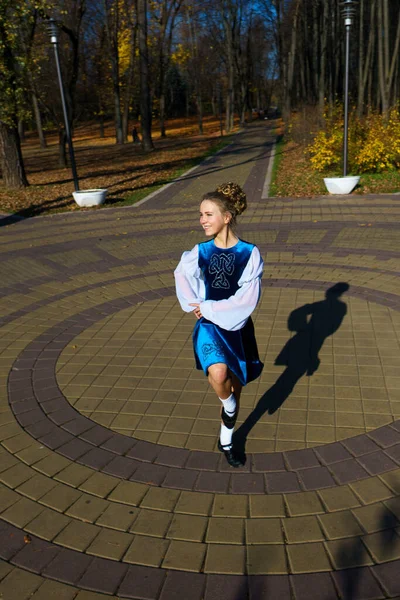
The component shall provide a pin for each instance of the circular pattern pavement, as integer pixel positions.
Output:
(110, 481)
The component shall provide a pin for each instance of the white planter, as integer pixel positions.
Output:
(341, 185)
(89, 197)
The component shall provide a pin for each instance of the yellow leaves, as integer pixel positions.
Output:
(124, 48)
(374, 144)
(181, 55)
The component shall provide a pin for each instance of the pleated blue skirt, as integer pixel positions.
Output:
(237, 349)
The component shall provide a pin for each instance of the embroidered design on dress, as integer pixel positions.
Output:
(212, 348)
(222, 265)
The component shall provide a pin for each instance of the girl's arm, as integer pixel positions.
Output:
(232, 314)
(188, 280)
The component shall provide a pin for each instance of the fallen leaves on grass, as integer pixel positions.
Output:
(122, 169)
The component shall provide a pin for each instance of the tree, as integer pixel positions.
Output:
(145, 100)
(12, 71)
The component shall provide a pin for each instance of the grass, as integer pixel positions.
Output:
(279, 150)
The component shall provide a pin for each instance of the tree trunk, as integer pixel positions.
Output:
(38, 120)
(324, 49)
(101, 126)
(382, 60)
(128, 89)
(162, 114)
(145, 101)
(12, 165)
(199, 104)
(118, 115)
(21, 130)
(62, 150)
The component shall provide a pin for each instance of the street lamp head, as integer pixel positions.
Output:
(348, 8)
(53, 31)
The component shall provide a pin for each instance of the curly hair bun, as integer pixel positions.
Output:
(235, 196)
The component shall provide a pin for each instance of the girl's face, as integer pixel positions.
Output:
(212, 220)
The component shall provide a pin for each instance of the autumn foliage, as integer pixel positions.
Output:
(374, 143)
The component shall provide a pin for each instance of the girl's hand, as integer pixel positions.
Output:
(196, 310)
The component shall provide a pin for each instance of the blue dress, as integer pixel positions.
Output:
(226, 283)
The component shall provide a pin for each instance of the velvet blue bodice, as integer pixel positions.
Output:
(222, 268)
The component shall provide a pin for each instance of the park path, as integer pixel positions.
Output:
(110, 480)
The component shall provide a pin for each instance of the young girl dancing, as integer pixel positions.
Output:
(219, 281)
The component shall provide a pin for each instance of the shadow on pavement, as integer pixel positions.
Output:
(313, 323)
(354, 578)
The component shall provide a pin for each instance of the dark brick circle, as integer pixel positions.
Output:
(43, 412)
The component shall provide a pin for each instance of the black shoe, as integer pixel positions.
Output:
(229, 421)
(230, 456)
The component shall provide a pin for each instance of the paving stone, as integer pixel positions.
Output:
(305, 503)
(142, 583)
(314, 585)
(371, 490)
(67, 567)
(187, 528)
(52, 590)
(280, 483)
(35, 555)
(358, 584)
(160, 499)
(129, 492)
(154, 523)
(103, 576)
(384, 546)
(22, 512)
(223, 530)
(266, 559)
(264, 531)
(375, 517)
(194, 503)
(339, 498)
(267, 506)
(110, 544)
(347, 471)
(360, 445)
(146, 551)
(230, 587)
(87, 508)
(118, 516)
(19, 584)
(77, 535)
(175, 582)
(263, 588)
(230, 505)
(389, 577)
(340, 525)
(316, 478)
(48, 524)
(306, 557)
(225, 559)
(347, 553)
(188, 556)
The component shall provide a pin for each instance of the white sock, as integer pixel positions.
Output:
(229, 405)
(225, 436)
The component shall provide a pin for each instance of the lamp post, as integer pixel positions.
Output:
(348, 12)
(53, 30)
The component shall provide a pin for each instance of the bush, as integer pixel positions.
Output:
(373, 144)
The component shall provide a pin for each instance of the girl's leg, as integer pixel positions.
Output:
(224, 385)
(220, 380)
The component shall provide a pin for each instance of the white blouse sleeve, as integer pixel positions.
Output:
(189, 280)
(232, 314)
